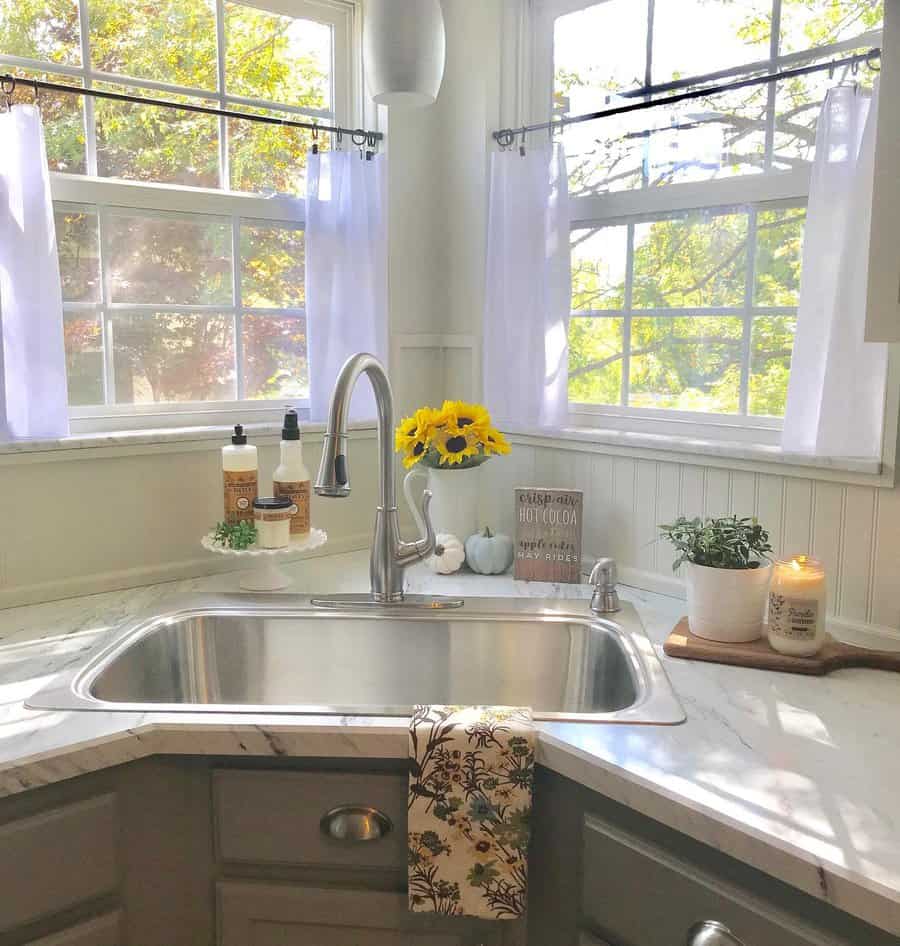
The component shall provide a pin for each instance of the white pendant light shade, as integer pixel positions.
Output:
(404, 47)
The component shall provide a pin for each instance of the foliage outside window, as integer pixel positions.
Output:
(678, 312)
(188, 299)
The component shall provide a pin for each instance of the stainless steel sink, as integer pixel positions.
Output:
(279, 654)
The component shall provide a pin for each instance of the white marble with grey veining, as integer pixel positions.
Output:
(796, 776)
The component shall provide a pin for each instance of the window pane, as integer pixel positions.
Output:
(275, 364)
(779, 251)
(158, 260)
(770, 363)
(596, 51)
(63, 119)
(598, 268)
(718, 136)
(606, 155)
(84, 357)
(77, 243)
(272, 261)
(164, 40)
(44, 29)
(808, 23)
(693, 37)
(277, 58)
(595, 360)
(166, 356)
(143, 143)
(692, 260)
(268, 158)
(687, 363)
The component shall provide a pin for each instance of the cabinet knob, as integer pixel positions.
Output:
(711, 933)
(355, 823)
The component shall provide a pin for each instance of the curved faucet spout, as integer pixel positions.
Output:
(390, 555)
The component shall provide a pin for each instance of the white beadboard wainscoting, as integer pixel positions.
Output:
(854, 529)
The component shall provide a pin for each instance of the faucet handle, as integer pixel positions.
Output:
(604, 576)
(410, 552)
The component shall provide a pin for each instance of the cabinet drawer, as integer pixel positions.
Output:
(637, 894)
(57, 859)
(275, 818)
(258, 914)
(104, 931)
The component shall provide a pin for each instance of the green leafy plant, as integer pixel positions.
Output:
(729, 542)
(239, 536)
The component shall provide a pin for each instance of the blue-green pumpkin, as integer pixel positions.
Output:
(489, 554)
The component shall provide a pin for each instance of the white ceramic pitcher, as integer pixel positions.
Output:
(454, 503)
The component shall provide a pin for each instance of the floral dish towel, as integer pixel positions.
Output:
(471, 773)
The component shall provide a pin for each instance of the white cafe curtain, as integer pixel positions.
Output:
(835, 403)
(33, 398)
(346, 271)
(528, 289)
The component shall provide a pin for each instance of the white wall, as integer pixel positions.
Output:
(96, 522)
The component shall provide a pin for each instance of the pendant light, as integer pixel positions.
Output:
(404, 47)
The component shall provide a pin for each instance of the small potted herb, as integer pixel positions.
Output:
(727, 573)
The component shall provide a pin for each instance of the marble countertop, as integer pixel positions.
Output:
(796, 776)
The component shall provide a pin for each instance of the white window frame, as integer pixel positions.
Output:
(530, 99)
(90, 191)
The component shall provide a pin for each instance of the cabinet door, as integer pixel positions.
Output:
(637, 894)
(104, 931)
(266, 914)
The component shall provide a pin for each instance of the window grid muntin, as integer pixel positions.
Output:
(747, 312)
(105, 308)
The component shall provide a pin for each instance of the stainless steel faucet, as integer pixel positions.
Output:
(390, 554)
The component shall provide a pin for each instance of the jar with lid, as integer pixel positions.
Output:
(797, 599)
(272, 516)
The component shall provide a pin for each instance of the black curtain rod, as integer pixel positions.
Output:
(359, 136)
(506, 136)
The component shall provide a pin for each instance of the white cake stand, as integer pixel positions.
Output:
(265, 575)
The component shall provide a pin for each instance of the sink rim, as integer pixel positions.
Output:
(655, 702)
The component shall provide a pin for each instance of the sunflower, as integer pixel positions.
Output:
(461, 416)
(413, 435)
(494, 442)
(454, 445)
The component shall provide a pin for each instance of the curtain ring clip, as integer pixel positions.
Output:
(8, 87)
(873, 56)
(315, 138)
(522, 144)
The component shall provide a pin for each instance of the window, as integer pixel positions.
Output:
(687, 220)
(180, 235)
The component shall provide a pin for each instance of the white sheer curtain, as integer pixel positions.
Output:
(528, 291)
(346, 271)
(835, 403)
(33, 397)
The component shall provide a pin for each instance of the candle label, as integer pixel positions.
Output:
(793, 618)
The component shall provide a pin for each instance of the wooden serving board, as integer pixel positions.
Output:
(834, 655)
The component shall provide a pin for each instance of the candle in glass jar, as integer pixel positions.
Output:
(797, 607)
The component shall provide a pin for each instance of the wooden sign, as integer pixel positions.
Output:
(548, 534)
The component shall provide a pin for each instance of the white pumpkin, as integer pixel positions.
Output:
(449, 554)
(489, 553)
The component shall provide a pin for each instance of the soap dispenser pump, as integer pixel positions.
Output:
(240, 474)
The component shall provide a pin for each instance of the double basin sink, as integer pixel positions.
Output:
(269, 654)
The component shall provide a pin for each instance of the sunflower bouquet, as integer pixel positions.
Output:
(458, 436)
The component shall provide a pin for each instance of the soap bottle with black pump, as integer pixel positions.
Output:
(291, 478)
(240, 475)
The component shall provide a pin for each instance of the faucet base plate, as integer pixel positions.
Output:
(367, 602)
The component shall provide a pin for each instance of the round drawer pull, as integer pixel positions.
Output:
(711, 933)
(356, 823)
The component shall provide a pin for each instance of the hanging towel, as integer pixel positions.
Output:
(470, 784)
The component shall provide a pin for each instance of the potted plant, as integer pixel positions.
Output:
(448, 446)
(727, 573)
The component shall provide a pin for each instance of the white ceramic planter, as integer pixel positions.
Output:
(454, 499)
(727, 604)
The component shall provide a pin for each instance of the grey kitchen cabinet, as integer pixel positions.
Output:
(261, 914)
(102, 931)
(604, 875)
